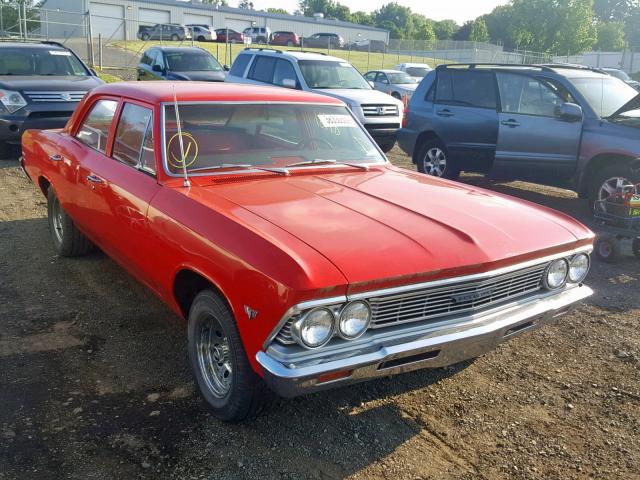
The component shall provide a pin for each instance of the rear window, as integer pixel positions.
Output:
(240, 65)
(40, 61)
(192, 62)
(466, 88)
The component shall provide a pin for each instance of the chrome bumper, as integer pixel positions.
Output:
(428, 346)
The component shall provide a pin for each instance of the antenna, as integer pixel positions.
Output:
(184, 160)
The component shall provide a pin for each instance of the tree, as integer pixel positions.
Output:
(445, 29)
(281, 11)
(362, 18)
(614, 10)
(464, 31)
(329, 8)
(632, 28)
(222, 3)
(611, 37)
(395, 18)
(478, 31)
(246, 4)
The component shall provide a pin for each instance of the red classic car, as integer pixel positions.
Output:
(300, 258)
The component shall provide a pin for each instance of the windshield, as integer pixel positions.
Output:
(328, 74)
(417, 71)
(192, 62)
(39, 61)
(263, 136)
(606, 95)
(400, 78)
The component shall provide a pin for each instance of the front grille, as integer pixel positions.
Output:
(55, 96)
(437, 302)
(380, 110)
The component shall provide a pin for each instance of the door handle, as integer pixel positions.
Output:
(444, 113)
(55, 158)
(510, 123)
(94, 179)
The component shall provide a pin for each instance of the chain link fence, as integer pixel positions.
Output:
(116, 43)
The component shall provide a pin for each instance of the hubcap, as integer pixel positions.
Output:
(610, 186)
(435, 162)
(214, 357)
(58, 224)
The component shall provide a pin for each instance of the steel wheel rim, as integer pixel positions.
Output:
(214, 357)
(57, 220)
(612, 185)
(435, 162)
(605, 249)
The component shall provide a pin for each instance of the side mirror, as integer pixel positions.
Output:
(289, 83)
(226, 68)
(157, 68)
(570, 112)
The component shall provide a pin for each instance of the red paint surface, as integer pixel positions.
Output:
(269, 241)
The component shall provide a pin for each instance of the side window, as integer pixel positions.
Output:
(371, 76)
(130, 134)
(382, 78)
(467, 88)
(262, 69)
(157, 58)
(284, 71)
(444, 89)
(530, 96)
(240, 65)
(95, 128)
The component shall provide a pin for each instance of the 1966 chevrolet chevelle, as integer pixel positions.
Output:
(300, 258)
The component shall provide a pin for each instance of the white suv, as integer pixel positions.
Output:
(381, 114)
(258, 34)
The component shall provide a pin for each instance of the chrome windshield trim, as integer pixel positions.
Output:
(415, 286)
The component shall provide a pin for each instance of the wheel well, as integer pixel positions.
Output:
(44, 185)
(187, 285)
(598, 162)
(423, 137)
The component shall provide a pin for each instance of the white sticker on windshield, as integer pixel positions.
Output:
(63, 53)
(344, 64)
(336, 121)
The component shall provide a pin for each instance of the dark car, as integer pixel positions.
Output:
(289, 39)
(228, 35)
(323, 40)
(622, 75)
(40, 86)
(180, 63)
(164, 31)
(556, 124)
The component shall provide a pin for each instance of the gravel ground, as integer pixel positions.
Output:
(95, 384)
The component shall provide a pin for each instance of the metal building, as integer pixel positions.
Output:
(119, 19)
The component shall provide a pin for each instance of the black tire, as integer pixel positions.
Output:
(432, 159)
(386, 146)
(628, 172)
(635, 247)
(175, 38)
(67, 239)
(289, 43)
(201, 38)
(241, 394)
(144, 37)
(607, 248)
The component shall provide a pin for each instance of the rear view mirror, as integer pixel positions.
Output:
(570, 112)
(289, 83)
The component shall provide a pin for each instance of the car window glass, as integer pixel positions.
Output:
(95, 128)
(31, 61)
(157, 59)
(467, 88)
(240, 65)
(371, 76)
(284, 71)
(382, 78)
(262, 69)
(530, 96)
(148, 157)
(444, 89)
(132, 127)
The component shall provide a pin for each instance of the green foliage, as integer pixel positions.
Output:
(445, 29)
(611, 37)
(330, 9)
(246, 4)
(397, 19)
(614, 10)
(222, 3)
(478, 31)
(281, 11)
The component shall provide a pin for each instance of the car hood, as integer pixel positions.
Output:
(49, 83)
(201, 76)
(352, 95)
(388, 226)
(633, 104)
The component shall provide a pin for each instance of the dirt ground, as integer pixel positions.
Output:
(95, 384)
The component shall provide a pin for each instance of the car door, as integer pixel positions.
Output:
(146, 62)
(465, 116)
(532, 135)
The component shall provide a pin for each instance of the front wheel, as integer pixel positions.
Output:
(175, 37)
(433, 160)
(225, 379)
(201, 38)
(67, 239)
(607, 248)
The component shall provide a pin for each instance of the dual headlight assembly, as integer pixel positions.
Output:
(316, 327)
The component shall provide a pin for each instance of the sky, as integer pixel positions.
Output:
(458, 10)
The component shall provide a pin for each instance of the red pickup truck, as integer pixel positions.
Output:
(299, 257)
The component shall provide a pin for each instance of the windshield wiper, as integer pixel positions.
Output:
(241, 166)
(317, 161)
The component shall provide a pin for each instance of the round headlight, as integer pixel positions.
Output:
(314, 329)
(578, 267)
(354, 320)
(556, 274)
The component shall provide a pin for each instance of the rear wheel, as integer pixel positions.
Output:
(225, 379)
(201, 38)
(289, 43)
(144, 36)
(612, 178)
(433, 160)
(67, 239)
(607, 248)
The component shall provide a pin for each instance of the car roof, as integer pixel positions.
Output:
(295, 54)
(180, 49)
(42, 46)
(158, 92)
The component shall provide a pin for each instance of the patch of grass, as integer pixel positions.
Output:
(363, 61)
(107, 77)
